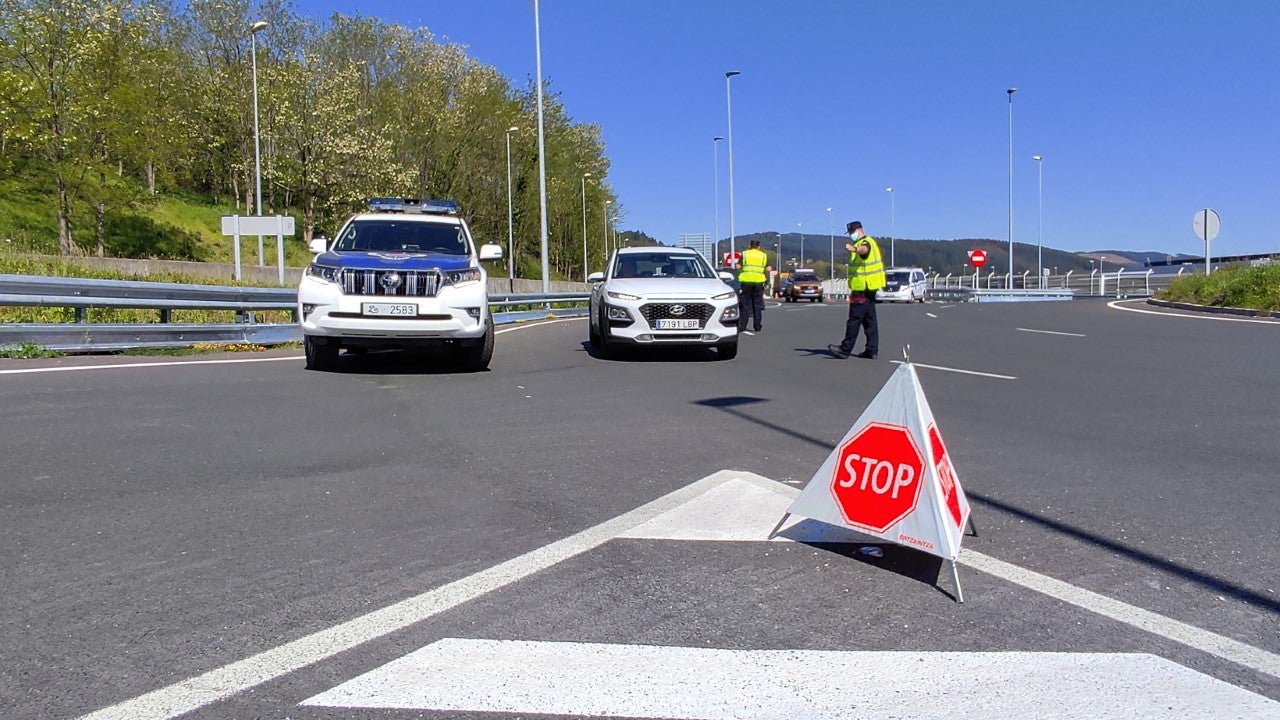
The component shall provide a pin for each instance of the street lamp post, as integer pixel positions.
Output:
(1039, 217)
(257, 147)
(800, 229)
(715, 204)
(604, 238)
(892, 234)
(728, 96)
(1011, 91)
(511, 228)
(831, 227)
(542, 157)
(584, 225)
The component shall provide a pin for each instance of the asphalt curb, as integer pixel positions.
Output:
(1213, 309)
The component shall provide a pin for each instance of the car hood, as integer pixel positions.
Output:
(674, 288)
(394, 261)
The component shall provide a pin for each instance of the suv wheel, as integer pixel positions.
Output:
(475, 358)
(593, 333)
(320, 356)
(727, 350)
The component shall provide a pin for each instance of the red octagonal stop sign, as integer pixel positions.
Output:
(978, 258)
(878, 476)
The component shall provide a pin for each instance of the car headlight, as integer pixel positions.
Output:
(723, 296)
(323, 272)
(458, 277)
(622, 296)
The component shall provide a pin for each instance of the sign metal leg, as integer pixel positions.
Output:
(955, 577)
(778, 527)
(973, 529)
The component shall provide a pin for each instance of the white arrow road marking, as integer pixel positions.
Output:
(641, 681)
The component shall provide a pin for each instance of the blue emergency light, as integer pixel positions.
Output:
(412, 205)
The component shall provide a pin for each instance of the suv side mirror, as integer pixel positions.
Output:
(725, 275)
(490, 252)
(319, 245)
(595, 277)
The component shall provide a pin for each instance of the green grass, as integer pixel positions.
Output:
(28, 351)
(1257, 288)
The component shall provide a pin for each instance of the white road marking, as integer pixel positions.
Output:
(958, 370)
(758, 504)
(1118, 305)
(1052, 332)
(188, 695)
(539, 323)
(931, 315)
(649, 520)
(224, 361)
(645, 681)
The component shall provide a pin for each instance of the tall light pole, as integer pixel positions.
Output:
(1039, 218)
(604, 238)
(1011, 91)
(584, 225)
(511, 228)
(542, 158)
(892, 235)
(728, 96)
(800, 229)
(832, 227)
(257, 146)
(715, 204)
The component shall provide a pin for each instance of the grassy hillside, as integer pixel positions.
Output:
(1243, 287)
(165, 227)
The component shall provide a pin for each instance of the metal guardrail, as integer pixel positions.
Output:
(83, 295)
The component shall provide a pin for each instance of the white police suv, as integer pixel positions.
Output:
(406, 274)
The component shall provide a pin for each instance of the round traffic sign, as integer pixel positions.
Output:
(1206, 224)
(878, 476)
(978, 258)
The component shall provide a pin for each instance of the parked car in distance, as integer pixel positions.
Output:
(903, 285)
(802, 285)
(654, 296)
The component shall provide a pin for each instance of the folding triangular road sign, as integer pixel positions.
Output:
(890, 477)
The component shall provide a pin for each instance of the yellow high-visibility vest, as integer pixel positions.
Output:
(754, 262)
(866, 273)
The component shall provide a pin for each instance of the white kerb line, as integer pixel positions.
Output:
(1051, 332)
(958, 370)
(221, 683)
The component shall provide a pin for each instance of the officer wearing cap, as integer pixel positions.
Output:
(755, 273)
(866, 276)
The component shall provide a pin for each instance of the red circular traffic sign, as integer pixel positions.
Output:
(878, 476)
(978, 258)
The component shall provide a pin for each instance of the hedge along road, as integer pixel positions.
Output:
(175, 519)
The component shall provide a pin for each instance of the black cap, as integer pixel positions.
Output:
(853, 225)
(755, 243)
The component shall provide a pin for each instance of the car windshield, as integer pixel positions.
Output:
(805, 277)
(410, 236)
(661, 265)
(898, 276)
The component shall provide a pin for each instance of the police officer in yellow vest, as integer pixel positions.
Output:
(754, 275)
(866, 275)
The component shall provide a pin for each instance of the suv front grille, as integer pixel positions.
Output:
(668, 311)
(407, 283)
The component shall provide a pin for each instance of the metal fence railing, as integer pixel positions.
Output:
(82, 295)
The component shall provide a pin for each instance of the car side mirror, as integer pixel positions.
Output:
(728, 276)
(319, 245)
(490, 252)
(595, 277)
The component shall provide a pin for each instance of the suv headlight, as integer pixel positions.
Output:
(323, 272)
(458, 277)
(724, 296)
(622, 296)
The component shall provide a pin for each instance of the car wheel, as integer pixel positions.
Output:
(474, 358)
(727, 350)
(320, 356)
(593, 333)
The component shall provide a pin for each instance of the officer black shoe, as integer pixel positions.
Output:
(838, 351)
(867, 354)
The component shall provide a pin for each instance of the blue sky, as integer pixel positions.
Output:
(1144, 111)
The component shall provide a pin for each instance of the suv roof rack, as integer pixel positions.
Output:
(413, 205)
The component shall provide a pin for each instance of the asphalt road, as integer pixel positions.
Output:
(163, 521)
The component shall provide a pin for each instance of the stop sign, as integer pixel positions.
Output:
(978, 258)
(878, 475)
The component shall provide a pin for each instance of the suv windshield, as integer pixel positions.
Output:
(804, 277)
(410, 236)
(656, 265)
(899, 276)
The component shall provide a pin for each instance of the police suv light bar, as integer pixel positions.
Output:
(413, 205)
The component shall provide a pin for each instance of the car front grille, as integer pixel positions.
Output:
(701, 312)
(408, 283)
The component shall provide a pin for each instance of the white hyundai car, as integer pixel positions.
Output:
(663, 296)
